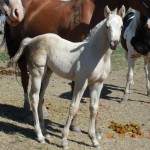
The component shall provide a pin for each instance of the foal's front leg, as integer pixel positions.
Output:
(95, 91)
(79, 89)
(36, 76)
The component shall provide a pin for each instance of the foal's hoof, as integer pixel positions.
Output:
(96, 145)
(75, 128)
(65, 147)
(42, 140)
(65, 144)
(124, 99)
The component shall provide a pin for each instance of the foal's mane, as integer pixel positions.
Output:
(94, 30)
(97, 27)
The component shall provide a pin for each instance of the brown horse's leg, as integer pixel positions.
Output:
(74, 124)
(44, 109)
(72, 87)
(25, 81)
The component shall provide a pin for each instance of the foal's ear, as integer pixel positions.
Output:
(107, 11)
(122, 11)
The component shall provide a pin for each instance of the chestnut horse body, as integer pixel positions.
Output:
(71, 20)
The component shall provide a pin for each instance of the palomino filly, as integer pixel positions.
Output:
(135, 39)
(70, 19)
(87, 63)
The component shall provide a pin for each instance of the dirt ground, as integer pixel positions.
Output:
(16, 134)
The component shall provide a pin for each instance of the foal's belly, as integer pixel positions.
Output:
(62, 68)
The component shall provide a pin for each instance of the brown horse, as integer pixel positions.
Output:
(71, 20)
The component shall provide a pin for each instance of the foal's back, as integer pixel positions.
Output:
(58, 54)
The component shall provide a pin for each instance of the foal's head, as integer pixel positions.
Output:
(114, 25)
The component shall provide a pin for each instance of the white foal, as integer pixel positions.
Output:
(86, 63)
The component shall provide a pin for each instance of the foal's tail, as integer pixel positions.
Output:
(13, 61)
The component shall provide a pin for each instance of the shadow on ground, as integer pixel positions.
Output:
(105, 94)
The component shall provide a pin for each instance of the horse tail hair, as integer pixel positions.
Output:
(13, 61)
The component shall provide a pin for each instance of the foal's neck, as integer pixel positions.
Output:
(100, 41)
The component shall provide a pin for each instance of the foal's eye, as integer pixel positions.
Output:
(121, 27)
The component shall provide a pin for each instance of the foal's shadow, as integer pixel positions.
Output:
(9, 128)
(13, 113)
(55, 129)
(17, 114)
(105, 94)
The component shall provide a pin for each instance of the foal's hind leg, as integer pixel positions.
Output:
(79, 89)
(147, 72)
(25, 81)
(95, 91)
(44, 85)
(36, 76)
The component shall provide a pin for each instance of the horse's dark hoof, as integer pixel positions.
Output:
(75, 128)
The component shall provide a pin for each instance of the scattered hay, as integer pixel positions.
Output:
(9, 71)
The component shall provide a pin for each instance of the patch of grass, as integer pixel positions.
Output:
(4, 57)
(118, 59)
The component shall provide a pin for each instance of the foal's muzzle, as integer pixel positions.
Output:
(113, 45)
